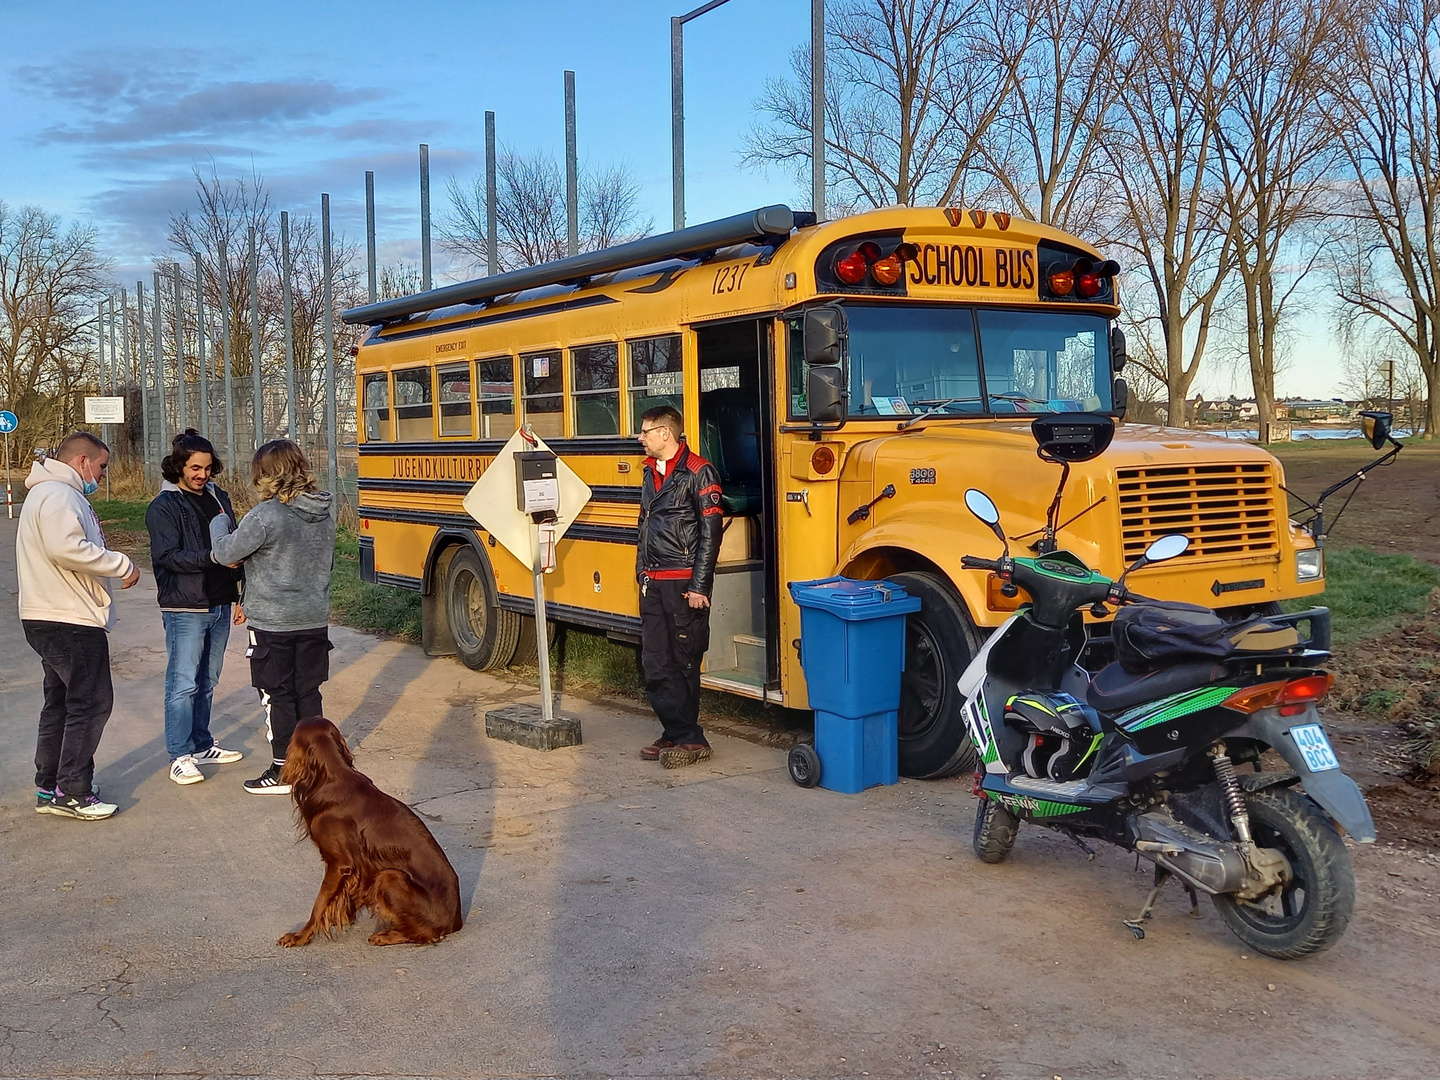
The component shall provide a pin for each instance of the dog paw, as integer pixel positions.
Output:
(290, 941)
(388, 937)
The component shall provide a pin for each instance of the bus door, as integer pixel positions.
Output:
(736, 435)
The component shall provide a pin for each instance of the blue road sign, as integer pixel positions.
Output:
(8, 421)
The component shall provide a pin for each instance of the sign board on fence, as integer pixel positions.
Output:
(104, 410)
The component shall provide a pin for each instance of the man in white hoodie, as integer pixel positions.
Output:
(65, 608)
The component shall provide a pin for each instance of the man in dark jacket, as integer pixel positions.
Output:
(680, 527)
(196, 599)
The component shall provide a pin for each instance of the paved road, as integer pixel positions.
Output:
(627, 921)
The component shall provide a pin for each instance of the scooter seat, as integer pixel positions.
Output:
(1113, 689)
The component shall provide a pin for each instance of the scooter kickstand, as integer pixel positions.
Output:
(1135, 925)
(1194, 900)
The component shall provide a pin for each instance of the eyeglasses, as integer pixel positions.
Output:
(649, 431)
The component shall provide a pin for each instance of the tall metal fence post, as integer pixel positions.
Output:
(332, 457)
(677, 122)
(225, 343)
(258, 405)
(424, 217)
(182, 418)
(127, 369)
(370, 233)
(817, 108)
(290, 427)
(100, 352)
(572, 171)
(200, 336)
(492, 254)
(157, 349)
(142, 371)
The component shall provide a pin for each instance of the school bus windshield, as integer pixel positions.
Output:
(907, 360)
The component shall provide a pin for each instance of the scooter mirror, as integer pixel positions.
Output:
(1376, 426)
(979, 504)
(1167, 547)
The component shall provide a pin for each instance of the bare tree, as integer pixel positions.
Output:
(51, 279)
(1276, 152)
(1386, 253)
(1175, 81)
(912, 88)
(1044, 150)
(531, 214)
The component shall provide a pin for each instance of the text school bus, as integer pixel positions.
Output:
(845, 438)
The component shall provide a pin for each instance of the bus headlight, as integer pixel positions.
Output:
(1309, 565)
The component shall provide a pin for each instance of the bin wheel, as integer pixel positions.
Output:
(804, 765)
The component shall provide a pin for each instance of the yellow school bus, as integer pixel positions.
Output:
(849, 379)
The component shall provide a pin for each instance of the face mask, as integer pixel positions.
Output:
(89, 487)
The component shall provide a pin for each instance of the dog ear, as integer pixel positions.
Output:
(341, 745)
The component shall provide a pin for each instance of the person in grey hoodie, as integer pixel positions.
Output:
(287, 544)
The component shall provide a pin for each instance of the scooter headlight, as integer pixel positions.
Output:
(1309, 565)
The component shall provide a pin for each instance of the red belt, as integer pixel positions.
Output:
(668, 575)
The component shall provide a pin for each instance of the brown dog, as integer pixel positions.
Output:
(377, 853)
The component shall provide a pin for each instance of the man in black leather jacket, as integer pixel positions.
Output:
(680, 527)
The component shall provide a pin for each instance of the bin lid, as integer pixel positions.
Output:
(854, 600)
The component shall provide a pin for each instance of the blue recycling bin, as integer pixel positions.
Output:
(852, 647)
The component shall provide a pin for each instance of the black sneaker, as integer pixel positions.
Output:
(44, 799)
(268, 783)
(82, 808)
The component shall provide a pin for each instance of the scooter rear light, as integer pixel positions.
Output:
(1292, 696)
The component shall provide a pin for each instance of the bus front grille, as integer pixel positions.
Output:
(1227, 510)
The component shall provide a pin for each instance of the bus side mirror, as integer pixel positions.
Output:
(825, 393)
(1118, 354)
(1120, 397)
(825, 333)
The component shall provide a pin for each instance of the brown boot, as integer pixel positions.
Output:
(677, 757)
(652, 752)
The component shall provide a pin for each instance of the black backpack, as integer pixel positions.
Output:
(1151, 636)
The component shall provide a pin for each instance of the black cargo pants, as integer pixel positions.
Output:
(288, 668)
(673, 639)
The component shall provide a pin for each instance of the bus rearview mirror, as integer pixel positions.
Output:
(825, 331)
(825, 393)
(1118, 354)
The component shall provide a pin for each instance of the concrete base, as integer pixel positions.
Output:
(525, 725)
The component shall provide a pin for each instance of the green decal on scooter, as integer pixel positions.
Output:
(1035, 807)
(1158, 712)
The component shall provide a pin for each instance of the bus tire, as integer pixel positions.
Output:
(485, 634)
(940, 641)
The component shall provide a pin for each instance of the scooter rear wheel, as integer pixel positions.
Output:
(1311, 912)
(995, 829)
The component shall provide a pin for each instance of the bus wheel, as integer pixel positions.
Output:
(485, 635)
(525, 651)
(939, 643)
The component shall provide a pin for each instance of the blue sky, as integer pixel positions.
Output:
(106, 108)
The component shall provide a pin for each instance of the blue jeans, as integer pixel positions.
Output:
(195, 645)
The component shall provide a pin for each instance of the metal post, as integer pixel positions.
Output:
(114, 352)
(572, 171)
(492, 254)
(424, 217)
(182, 420)
(370, 232)
(225, 340)
(289, 325)
(258, 404)
(157, 359)
(200, 348)
(9, 495)
(125, 337)
(141, 368)
(332, 458)
(817, 108)
(677, 120)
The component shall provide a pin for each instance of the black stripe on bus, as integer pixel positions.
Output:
(398, 581)
(601, 620)
(625, 494)
(496, 317)
(592, 447)
(603, 534)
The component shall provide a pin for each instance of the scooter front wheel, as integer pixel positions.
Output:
(995, 829)
(1310, 913)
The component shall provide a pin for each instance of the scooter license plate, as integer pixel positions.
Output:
(1314, 747)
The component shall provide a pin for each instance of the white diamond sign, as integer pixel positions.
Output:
(492, 501)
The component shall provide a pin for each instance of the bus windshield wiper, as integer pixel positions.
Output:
(931, 411)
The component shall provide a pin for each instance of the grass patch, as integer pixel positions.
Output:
(1367, 592)
(128, 514)
(361, 606)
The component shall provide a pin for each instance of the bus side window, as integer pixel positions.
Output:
(414, 406)
(456, 412)
(655, 376)
(795, 359)
(544, 397)
(595, 385)
(497, 398)
(377, 407)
